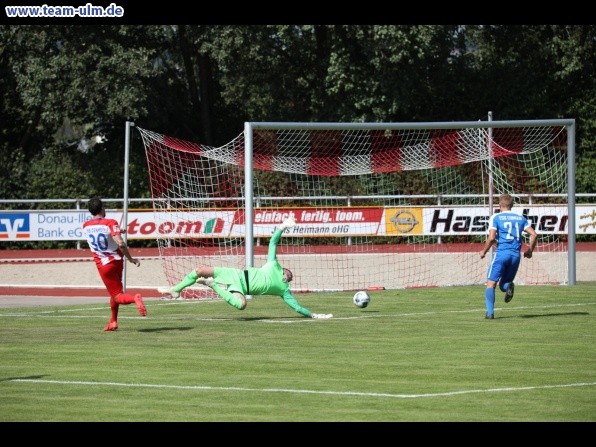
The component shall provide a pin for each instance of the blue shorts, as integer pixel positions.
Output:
(503, 267)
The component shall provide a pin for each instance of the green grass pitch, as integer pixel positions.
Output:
(411, 355)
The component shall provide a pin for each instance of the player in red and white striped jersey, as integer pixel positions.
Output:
(109, 250)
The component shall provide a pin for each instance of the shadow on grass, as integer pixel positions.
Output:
(237, 319)
(11, 379)
(166, 329)
(560, 314)
(270, 318)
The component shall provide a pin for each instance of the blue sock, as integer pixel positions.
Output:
(504, 286)
(489, 299)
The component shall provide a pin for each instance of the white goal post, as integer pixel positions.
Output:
(378, 205)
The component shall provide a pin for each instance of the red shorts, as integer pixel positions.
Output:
(111, 275)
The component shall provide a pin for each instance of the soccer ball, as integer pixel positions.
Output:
(361, 299)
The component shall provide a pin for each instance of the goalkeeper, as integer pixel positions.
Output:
(234, 284)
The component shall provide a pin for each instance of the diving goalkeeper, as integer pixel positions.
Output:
(234, 284)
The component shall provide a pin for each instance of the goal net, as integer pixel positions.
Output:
(377, 205)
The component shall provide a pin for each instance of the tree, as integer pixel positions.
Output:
(72, 87)
(67, 90)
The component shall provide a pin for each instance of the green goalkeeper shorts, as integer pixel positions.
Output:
(231, 277)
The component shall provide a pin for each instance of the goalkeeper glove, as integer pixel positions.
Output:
(288, 223)
(321, 316)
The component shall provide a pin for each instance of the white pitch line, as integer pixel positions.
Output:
(411, 314)
(283, 390)
(56, 314)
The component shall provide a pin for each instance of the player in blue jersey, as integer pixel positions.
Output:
(505, 231)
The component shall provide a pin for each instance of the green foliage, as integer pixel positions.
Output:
(71, 88)
(52, 174)
(585, 176)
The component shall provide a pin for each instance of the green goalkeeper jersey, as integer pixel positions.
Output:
(268, 279)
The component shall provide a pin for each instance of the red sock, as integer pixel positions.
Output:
(124, 298)
(114, 306)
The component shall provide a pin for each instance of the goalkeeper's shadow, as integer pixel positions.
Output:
(166, 329)
(238, 319)
(268, 318)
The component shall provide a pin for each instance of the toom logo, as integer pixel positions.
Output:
(189, 228)
(143, 225)
(14, 226)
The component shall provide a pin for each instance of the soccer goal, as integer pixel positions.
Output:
(377, 205)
